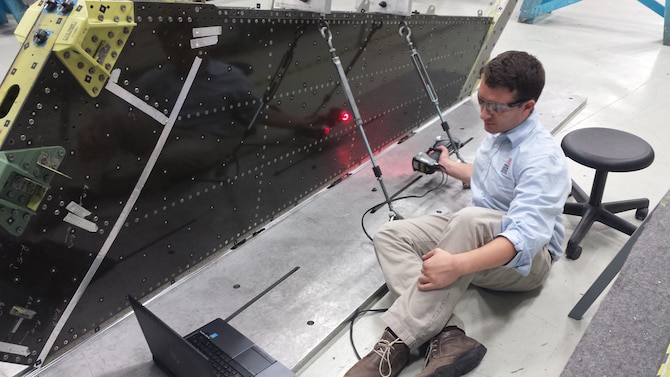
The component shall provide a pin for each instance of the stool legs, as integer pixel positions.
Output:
(591, 209)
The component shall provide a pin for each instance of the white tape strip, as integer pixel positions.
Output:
(78, 210)
(81, 223)
(204, 42)
(199, 32)
(113, 87)
(125, 212)
(16, 349)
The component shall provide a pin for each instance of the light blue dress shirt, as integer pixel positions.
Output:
(523, 172)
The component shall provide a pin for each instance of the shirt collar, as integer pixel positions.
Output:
(519, 133)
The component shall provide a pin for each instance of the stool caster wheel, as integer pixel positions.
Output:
(641, 213)
(573, 252)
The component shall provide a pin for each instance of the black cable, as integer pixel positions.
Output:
(443, 181)
(351, 326)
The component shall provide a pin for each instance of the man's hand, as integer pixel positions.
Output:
(439, 269)
(444, 155)
(457, 169)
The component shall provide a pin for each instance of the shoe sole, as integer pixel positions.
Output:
(467, 362)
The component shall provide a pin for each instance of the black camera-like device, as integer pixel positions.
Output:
(427, 162)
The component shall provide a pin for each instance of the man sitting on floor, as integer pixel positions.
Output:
(505, 240)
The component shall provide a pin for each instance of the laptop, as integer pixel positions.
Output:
(202, 352)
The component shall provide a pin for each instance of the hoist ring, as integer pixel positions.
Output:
(403, 26)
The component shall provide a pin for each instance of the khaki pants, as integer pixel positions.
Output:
(416, 316)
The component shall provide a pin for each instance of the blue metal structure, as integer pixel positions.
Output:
(663, 12)
(531, 9)
(16, 7)
(655, 6)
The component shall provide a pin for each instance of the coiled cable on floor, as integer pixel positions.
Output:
(351, 326)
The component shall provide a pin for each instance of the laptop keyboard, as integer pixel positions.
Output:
(219, 360)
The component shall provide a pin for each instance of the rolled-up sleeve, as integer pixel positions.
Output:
(539, 196)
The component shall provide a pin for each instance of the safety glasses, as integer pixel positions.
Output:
(497, 107)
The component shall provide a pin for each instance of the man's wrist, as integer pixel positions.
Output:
(447, 165)
(462, 263)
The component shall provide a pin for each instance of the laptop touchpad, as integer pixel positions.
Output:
(253, 361)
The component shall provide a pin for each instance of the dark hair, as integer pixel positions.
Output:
(517, 71)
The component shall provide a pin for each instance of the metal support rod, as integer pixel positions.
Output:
(406, 32)
(326, 34)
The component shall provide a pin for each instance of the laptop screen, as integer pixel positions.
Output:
(171, 352)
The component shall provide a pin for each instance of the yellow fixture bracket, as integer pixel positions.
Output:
(86, 35)
(91, 41)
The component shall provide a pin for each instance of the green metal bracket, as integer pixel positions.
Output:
(25, 177)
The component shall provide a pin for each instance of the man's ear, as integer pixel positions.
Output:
(529, 105)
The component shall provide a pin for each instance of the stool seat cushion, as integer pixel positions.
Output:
(608, 149)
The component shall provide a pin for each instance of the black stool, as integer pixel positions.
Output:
(605, 150)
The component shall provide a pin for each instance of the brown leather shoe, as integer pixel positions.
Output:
(387, 359)
(452, 354)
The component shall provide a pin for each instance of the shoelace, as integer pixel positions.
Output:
(384, 351)
(433, 345)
